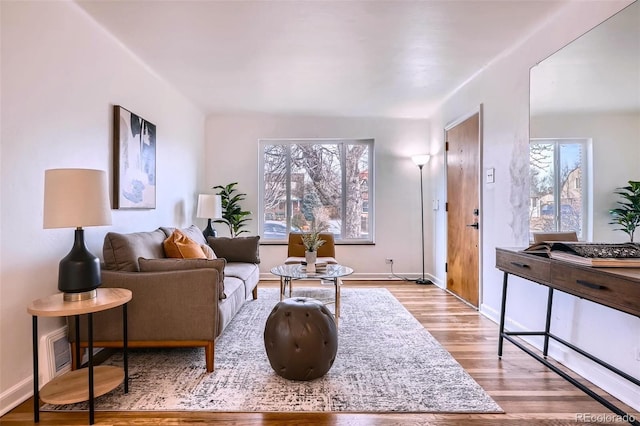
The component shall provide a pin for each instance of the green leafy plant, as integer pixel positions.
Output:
(233, 215)
(627, 215)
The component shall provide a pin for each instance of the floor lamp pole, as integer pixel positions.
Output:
(422, 280)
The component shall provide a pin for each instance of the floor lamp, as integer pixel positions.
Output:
(420, 161)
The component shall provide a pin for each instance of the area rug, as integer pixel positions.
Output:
(386, 362)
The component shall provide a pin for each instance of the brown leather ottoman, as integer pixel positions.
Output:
(301, 339)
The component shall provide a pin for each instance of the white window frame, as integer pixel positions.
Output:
(585, 181)
(370, 183)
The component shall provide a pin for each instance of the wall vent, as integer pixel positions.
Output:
(55, 355)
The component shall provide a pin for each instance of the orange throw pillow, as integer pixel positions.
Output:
(180, 246)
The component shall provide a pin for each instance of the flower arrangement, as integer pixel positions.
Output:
(312, 240)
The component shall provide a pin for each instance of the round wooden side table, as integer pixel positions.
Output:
(85, 383)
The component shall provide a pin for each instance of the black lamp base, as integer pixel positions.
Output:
(79, 271)
(423, 281)
(209, 231)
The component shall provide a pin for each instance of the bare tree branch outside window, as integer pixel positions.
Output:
(557, 170)
(325, 181)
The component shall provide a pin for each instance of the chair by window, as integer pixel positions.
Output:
(295, 249)
(539, 237)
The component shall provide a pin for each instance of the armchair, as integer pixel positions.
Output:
(295, 249)
(539, 237)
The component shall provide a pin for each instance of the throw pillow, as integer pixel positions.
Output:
(121, 251)
(179, 246)
(163, 265)
(238, 249)
(192, 232)
(208, 251)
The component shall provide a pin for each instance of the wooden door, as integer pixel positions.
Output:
(463, 203)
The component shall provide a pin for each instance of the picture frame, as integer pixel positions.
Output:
(134, 161)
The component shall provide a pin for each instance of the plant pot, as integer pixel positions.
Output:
(310, 257)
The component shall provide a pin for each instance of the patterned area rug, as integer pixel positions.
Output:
(386, 362)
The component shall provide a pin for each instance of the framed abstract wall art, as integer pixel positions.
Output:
(134, 161)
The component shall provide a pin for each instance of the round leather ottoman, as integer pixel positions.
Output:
(301, 339)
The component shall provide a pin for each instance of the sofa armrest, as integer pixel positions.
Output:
(166, 306)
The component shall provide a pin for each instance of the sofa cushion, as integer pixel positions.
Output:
(192, 232)
(241, 270)
(179, 246)
(238, 249)
(121, 251)
(229, 307)
(208, 251)
(247, 272)
(163, 265)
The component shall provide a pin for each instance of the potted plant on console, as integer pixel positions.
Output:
(627, 215)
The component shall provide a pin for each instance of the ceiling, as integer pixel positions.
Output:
(335, 58)
(598, 72)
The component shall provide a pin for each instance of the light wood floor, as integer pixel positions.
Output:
(528, 392)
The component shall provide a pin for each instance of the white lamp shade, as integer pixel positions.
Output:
(421, 159)
(75, 198)
(209, 206)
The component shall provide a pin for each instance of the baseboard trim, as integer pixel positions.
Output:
(16, 395)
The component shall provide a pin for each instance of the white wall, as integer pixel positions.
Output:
(503, 90)
(616, 153)
(232, 156)
(61, 74)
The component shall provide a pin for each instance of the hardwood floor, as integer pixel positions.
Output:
(528, 392)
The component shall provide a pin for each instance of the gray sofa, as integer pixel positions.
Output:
(176, 302)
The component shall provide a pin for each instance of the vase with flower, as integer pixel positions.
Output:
(311, 241)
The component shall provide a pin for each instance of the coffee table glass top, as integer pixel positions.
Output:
(298, 271)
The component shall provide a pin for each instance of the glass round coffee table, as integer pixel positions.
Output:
(332, 272)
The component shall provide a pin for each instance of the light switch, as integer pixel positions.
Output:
(436, 204)
(491, 177)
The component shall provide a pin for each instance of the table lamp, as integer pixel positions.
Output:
(209, 207)
(74, 198)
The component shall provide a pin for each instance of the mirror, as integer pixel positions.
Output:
(589, 91)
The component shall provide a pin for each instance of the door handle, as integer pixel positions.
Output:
(474, 225)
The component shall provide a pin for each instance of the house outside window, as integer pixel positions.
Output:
(326, 180)
(558, 172)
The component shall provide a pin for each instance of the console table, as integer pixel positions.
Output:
(86, 383)
(617, 288)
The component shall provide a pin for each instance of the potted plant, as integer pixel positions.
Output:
(312, 241)
(627, 215)
(232, 214)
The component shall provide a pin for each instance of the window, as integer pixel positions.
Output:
(558, 171)
(329, 181)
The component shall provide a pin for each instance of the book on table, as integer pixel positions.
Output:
(320, 266)
(603, 255)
